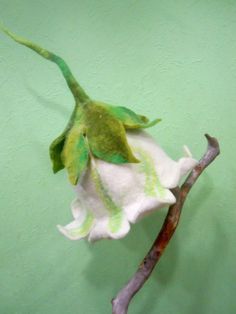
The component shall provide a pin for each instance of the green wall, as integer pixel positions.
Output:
(171, 59)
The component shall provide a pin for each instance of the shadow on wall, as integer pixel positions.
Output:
(47, 103)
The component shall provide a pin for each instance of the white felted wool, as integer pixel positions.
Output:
(112, 196)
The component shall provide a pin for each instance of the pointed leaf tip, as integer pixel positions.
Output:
(129, 118)
(75, 154)
(55, 150)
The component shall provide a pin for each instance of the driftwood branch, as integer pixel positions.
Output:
(121, 302)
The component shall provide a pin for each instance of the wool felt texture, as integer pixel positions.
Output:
(119, 174)
(110, 197)
(99, 130)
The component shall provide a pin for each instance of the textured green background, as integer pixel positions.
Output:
(171, 59)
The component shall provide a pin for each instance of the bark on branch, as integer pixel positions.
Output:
(121, 302)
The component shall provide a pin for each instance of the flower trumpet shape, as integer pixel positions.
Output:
(120, 174)
(110, 196)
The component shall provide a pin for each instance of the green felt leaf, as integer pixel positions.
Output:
(55, 150)
(75, 154)
(57, 145)
(129, 118)
(106, 135)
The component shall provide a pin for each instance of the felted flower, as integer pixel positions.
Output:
(120, 174)
(110, 196)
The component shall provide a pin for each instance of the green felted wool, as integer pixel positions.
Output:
(57, 145)
(106, 135)
(55, 150)
(75, 154)
(129, 118)
(94, 129)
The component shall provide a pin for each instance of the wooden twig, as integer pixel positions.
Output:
(121, 302)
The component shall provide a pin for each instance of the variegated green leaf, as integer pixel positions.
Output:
(129, 118)
(55, 150)
(57, 145)
(75, 154)
(106, 136)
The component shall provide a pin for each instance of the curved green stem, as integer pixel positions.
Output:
(78, 92)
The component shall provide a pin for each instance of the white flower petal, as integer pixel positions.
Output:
(112, 196)
(81, 226)
(186, 164)
(169, 171)
(146, 205)
(107, 227)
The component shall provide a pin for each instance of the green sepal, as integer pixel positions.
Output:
(129, 118)
(106, 136)
(57, 145)
(55, 150)
(75, 154)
